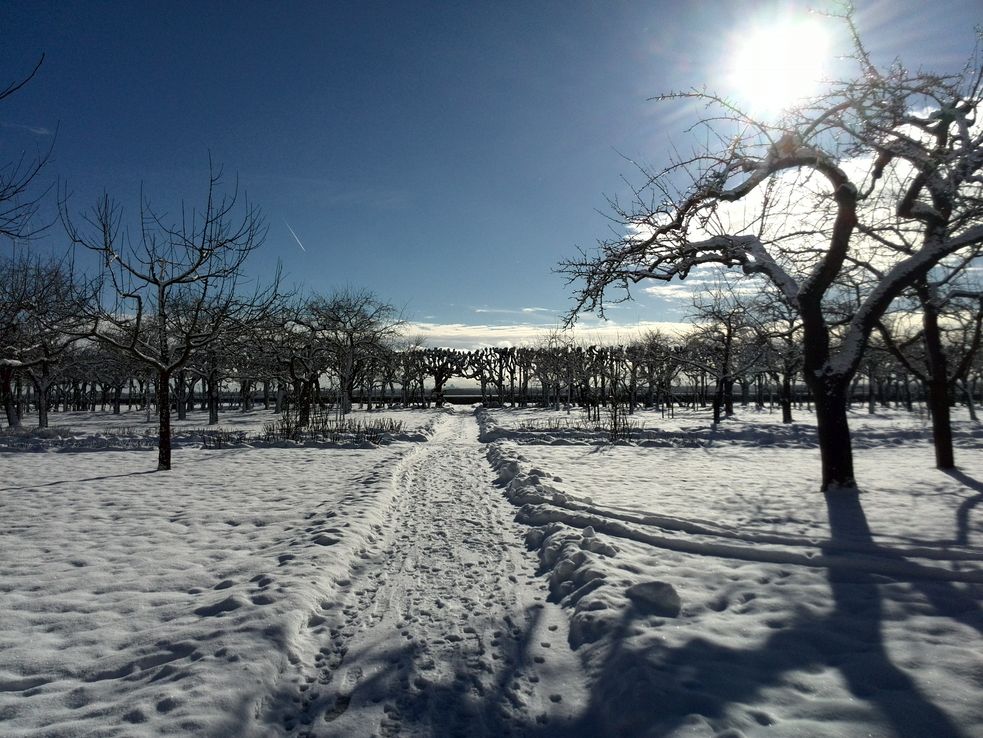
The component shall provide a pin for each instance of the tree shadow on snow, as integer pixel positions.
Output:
(651, 691)
(100, 478)
(967, 505)
(461, 703)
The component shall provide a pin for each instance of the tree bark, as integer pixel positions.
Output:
(718, 400)
(786, 398)
(938, 381)
(164, 414)
(180, 387)
(970, 406)
(6, 374)
(835, 449)
(212, 383)
(43, 389)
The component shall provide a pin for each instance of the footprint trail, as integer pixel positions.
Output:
(444, 628)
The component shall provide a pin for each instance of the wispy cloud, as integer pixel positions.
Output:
(513, 311)
(472, 336)
(495, 311)
(36, 130)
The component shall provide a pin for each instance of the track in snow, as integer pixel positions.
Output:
(447, 630)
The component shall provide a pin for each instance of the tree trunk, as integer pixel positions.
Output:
(938, 405)
(304, 401)
(180, 387)
(164, 413)
(42, 403)
(190, 402)
(347, 395)
(718, 400)
(211, 383)
(728, 396)
(970, 405)
(835, 449)
(786, 398)
(871, 409)
(6, 374)
(146, 398)
(938, 381)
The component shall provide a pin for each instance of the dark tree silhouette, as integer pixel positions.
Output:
(813, 195)
(177, 289)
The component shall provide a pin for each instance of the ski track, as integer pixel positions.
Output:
(443, 628)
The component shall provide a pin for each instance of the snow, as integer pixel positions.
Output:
(513, 573)
(783, 626)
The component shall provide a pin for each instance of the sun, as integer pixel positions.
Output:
(774, 65)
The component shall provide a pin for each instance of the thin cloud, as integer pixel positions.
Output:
(512, 311)
(474, 336)
(496, 311)
(36, 130)
(294, 235)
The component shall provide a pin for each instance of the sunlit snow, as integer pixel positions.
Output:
(515, 573)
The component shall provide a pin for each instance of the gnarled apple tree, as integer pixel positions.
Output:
(839, 183)
(176, 288)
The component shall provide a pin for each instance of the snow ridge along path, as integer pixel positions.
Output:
(443, 628)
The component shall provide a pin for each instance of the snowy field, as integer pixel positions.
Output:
(688, 583)
(136, 429)
(783, 627)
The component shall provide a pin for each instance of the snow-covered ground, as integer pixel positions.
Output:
(786, 624)
(687, 583)
(137, 429)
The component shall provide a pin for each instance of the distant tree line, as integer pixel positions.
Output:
(170, 319)
(305, 353)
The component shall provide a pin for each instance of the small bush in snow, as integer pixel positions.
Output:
(324, 427)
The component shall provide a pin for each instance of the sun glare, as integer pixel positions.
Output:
(775, 65)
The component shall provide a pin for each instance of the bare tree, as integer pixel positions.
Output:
(940, 353)
(811, 195)
(724, 342)
(175, 288)
(17, 206)
(442, 365)
(351, 328)
(50, 325)
(41, 309)
(779, 328)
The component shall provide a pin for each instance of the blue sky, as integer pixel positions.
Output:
(444, 155)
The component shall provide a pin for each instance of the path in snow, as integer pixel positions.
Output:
(444, 628)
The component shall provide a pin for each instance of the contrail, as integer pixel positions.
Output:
(294, 235)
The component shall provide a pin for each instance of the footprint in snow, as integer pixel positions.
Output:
(227, 605)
